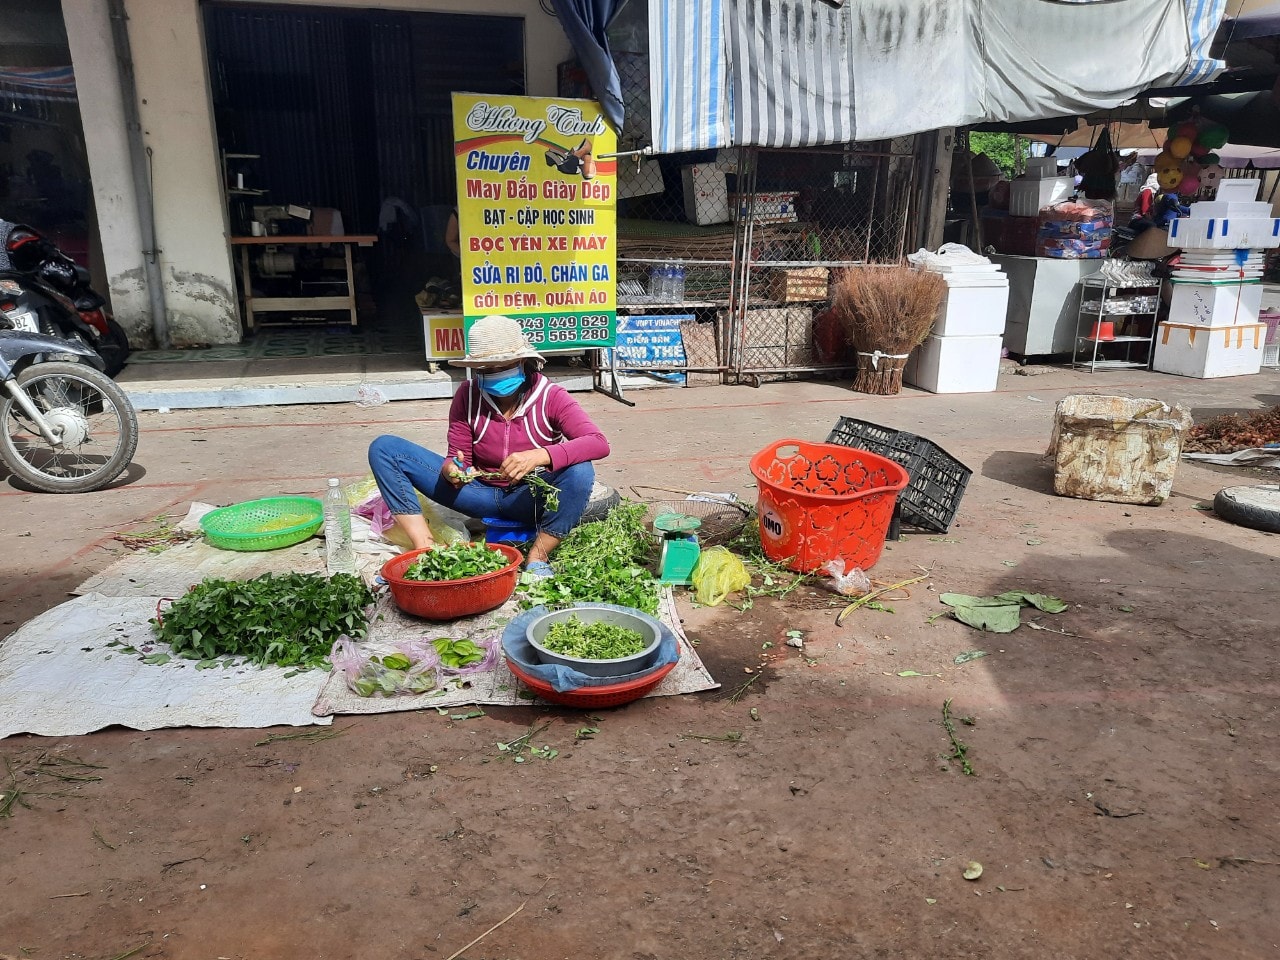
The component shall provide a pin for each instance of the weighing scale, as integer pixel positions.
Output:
(680, 550)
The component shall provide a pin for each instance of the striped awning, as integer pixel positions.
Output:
(788, 73)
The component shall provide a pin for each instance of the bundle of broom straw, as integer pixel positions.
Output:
(887, 310)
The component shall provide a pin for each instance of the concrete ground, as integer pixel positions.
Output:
(1124, 756)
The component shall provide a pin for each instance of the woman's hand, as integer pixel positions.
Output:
(454, 474)
(519, 465)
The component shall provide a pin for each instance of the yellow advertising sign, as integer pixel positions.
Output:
(537, 211)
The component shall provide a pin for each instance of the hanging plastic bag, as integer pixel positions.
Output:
(408, 669)
(718, 574)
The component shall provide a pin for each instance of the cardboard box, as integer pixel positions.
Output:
(798, 284)
(706, 194)
(769, 207)
(1189, 350)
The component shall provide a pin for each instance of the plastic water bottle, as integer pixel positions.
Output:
(655, 282)
(677, 283)
(339, 552)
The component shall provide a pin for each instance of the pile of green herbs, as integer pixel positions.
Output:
(604, 561)
(592, 641)
(457, 561)
(289, 620)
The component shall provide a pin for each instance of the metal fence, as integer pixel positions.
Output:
(745, 243)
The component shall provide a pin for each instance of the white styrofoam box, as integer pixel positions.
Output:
(955, 364)
(1231, 208)
(706, 194)
(1215, 304)
(1026, 197)
(1238, 190)
(1224, 233)
(1188, 350)
(975, 306)
(1041, 168)
(1220, 258)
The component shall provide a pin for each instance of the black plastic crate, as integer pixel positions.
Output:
(932, 498)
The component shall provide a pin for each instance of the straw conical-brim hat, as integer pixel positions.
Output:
(496, 339)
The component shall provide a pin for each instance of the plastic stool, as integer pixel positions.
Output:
(501, 530)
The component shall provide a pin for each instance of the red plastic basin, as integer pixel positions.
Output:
(452, 599)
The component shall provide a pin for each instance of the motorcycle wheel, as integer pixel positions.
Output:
(95, 418)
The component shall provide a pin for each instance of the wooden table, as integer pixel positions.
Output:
(254, 305)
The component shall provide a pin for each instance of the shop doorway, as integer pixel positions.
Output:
(44, 170)
(334, 120)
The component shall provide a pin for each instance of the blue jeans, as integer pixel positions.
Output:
(401, 467)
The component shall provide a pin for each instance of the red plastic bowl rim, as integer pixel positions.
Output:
(890, 466)
(612, 689)
(402, 581)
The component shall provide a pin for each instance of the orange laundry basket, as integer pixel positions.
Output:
(822, 501)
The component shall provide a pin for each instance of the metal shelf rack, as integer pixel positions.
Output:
(1091, 349)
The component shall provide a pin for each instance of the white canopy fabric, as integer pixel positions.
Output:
(787, 73)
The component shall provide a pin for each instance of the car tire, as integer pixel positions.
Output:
(1256, 507)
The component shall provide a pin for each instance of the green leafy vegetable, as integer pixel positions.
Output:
(396, 661)
(592, 641)
(456, 561)
(392, 675)
(284, 619)
(457, 653)
(601, 562)
(999, 614)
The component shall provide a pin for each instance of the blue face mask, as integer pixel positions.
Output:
(502, 383)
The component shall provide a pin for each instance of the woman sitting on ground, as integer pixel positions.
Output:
(505, 423)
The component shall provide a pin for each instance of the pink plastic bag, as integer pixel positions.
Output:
(368, 675)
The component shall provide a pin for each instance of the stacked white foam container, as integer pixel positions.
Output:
(1213, 328)
(962, 354)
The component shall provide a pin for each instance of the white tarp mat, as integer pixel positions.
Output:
(786, 73)
(59, 677)
(1253, 457)
(496, 687)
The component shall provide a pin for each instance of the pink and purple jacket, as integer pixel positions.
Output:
(548, 418)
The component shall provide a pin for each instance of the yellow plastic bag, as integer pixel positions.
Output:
(718, 574)
(362, 491)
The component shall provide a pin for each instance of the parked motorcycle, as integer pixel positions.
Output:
(66, 426)
(42, 290)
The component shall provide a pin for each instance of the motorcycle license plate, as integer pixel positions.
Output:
(24, 321)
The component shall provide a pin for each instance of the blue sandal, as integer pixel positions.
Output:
(538, 570)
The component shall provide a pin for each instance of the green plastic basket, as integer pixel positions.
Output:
(267, 524)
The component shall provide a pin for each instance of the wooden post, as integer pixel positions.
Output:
(937, 185)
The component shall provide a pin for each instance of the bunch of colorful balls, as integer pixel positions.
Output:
(1188, 163)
